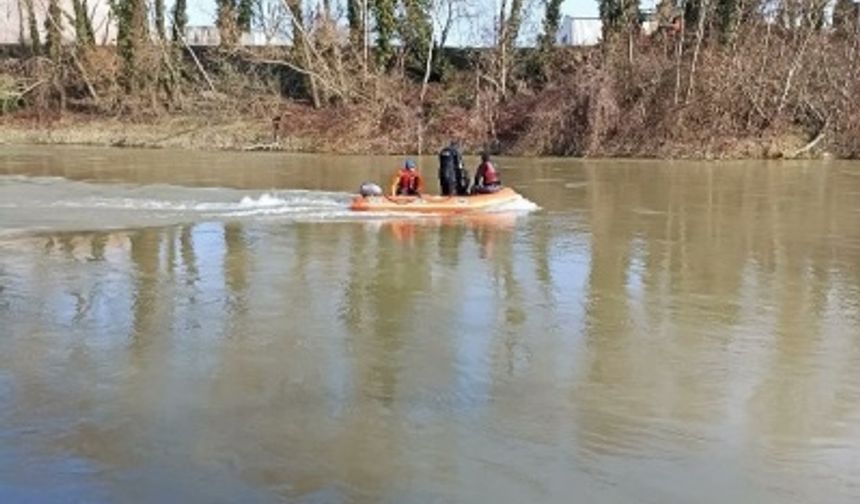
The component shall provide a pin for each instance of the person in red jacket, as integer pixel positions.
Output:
(407, 181)
(487, 178)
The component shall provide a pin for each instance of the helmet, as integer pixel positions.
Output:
(409, 165)
(485, 156)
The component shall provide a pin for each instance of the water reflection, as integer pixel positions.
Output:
(145, 258)
(654, 325)
(728, 274)
(236, 257)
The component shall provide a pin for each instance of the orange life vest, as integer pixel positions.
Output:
(407, 182)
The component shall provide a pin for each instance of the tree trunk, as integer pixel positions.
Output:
(386, 28)
(551, 20)
(159, 19)
(83, 25)
(509, 40)
(679, 55)
(700, 33)
(503, 48)
(226, 21)
(132, 34)
(795, 65)
(300, 48)
(416, 32)
(54, 49)
(355, 15)
(245, 16)
(180, 20)
(428, 66)
(35, 41)
(54, 30)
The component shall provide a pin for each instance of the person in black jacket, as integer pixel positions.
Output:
(453, 178)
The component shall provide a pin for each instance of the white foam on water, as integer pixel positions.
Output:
(519, 205)
(265, 203)
(58, 203)
(265, 200)
(12, 233)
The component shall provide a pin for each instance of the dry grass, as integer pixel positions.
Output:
(745, 101)
(179, 132)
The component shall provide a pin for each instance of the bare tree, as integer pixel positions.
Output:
(35, 40)
(272, 18)
(443, 14)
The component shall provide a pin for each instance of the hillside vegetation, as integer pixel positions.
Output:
(718, 78)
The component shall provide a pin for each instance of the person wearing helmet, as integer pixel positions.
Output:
(407, 181)
(487, 178)
(453, 178)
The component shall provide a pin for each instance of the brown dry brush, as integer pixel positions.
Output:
(775, 86)
(776, 90)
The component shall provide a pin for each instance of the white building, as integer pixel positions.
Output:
(14, 21)
(209, 36)
(202, 35)
(579, 31)
(15, 25)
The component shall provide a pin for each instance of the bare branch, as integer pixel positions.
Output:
(197, 62)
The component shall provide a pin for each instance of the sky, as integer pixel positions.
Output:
(465, 33)
(202, 12)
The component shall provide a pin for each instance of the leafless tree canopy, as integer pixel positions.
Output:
(714, 78)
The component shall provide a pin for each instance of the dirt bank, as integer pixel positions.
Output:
(345, 136)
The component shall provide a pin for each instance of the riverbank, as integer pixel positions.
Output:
(595, 103)
(174, 132)
(273, 125)
(325, 135)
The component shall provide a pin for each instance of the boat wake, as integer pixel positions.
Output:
(520, 205)
(48, 203)
(218, 205)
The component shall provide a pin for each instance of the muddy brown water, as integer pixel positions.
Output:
(214, 327)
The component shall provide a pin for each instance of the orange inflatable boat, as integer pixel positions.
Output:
(434, 204)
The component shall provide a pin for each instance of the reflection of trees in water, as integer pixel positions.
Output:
(99, 244)
(65, 365)
(189, 258)
(805, 392)
(135, 408)
(352, 310)
(179, 315)
(5, 301)
(96, 289)
(145, 258)
(401, 274)
(608, 337)
(390, 273)
(236, 263)
(717, 250)
(693, 278)
(308, 446)
(496, 245)
(541, 247)
(450, 238)
(302, 248)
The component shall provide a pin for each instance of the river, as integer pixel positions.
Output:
(217, 327)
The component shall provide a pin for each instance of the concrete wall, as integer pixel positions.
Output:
(579, 31)
(209, 36)
(13, 19)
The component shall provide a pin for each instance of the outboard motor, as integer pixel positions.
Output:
(462, 182)
(370, 189)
